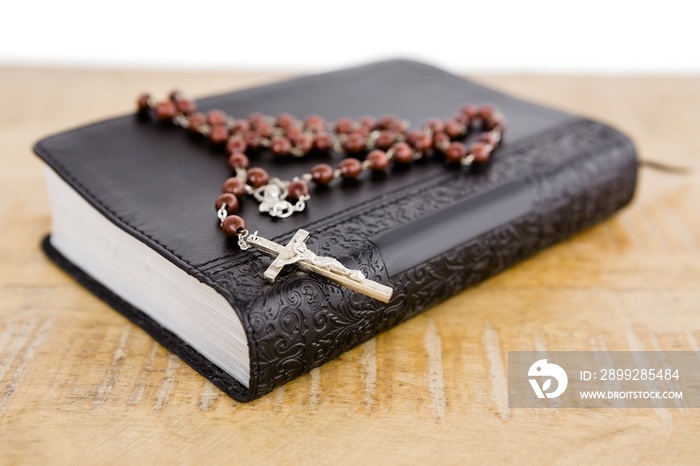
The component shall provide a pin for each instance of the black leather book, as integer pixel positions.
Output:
(134, 222)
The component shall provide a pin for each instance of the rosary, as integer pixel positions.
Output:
(380, 142)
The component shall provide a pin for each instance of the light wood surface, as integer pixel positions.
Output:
(80, 384)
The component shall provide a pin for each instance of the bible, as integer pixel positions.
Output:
(133, 220)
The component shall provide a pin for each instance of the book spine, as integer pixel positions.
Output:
(299, 324)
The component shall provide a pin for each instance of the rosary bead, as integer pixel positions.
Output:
(494, 122)
(263, 130)
(186, 106)
(196, 121)
(435, 125)
(384, 140)
(390, 122)
(175, 95)
(292, 132)
(480, 151)
(236, 144)
(218, 134)
(297, 189)
(455, 152)
(402, 152)
(230, 200)
(378, 160)
(281, 146)
(350, 168)
(238, 160)
(304, 143)
(165, 110)
(424, 143)
(486, 112)
(454, 129)
(315, 123)
(240, 126)
(489, 138)
(143, 103)
(323, 141)
(216, 117)
(413, 135)
(441, 141)
(235, 186)
(257, 177)
(255, 119)
(285, 120)
(367, 122)
(322, 174)
(469, 111)
(355, 142)
(344, 126)
(232, 225)
(252, 139)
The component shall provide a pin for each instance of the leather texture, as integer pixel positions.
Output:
(428, 231)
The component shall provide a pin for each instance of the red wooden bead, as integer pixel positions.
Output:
(385, 140)
(264, 130)
(292, 132)
(218, 134)
(284, 120)
(378, 160)
(424, 143)
(413, 135)
(143, 103)
(257, 177)
(175, 95)
(470, 111)
(297, 189)
(323, 141)
(303, 143)
(350, 168)
(235, 186)
(389, 122)
(238, 160)
(252, 139)
(165, 110)
(486, 111)
(240, 126)
(232, 225)
(441, 141)
(255, 119)
(402, 152)
(281, 146)
(236, 144)
(230, 200)
(344, 126)
(480, 151)
(367, 122)
(455, 152)
(434, 124)
(186, 106)
(454, 129)
(489, 138)
(322, 174)
(494, 122)
(196, 121)
(355, 142)
(216, 117)
(315, 123)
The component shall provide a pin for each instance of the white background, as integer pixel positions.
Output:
(509, 36)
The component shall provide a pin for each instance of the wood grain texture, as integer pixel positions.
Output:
(80, 384)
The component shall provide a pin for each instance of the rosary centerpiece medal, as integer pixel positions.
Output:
(369, 144)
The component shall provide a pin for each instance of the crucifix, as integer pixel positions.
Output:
(296, 252)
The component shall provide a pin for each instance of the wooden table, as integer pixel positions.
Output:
(80, 384)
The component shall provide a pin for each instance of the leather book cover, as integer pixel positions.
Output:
(426, 230)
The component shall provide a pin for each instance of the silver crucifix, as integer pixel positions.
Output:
(296, 252)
